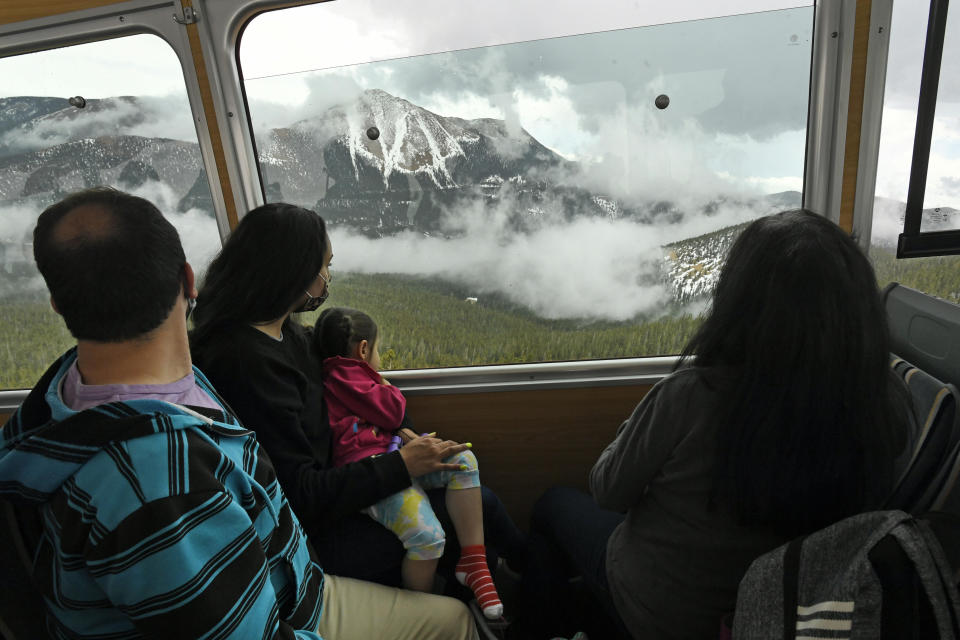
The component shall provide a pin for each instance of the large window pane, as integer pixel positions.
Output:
(134, 131)
(939, 276)
(548, 195)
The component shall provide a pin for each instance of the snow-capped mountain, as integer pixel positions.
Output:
(407, 175)
(410, 141)
(417, 167)
(405, 172)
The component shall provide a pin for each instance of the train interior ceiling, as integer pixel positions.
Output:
(535, 207)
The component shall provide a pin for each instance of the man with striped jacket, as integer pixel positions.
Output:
(160, 515)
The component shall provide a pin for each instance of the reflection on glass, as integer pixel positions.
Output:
(938, 276)
(134, 131)
(582, 189)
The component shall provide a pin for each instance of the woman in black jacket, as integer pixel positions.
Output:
(274, 264)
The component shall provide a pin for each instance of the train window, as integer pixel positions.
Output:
(104, 113)
(940, 275)
(508, 184)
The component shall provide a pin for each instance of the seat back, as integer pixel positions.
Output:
(22, 612)
(924, 330)
(947, 491)
(934, 455)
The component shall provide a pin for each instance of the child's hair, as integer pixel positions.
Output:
(339, 329)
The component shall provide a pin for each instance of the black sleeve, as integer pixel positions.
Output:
(266, 394)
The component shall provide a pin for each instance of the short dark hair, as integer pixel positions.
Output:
(810, 419)
(265, 266)
(113, 264)
(339, 329)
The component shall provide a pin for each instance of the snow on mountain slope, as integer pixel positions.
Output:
(692, 266)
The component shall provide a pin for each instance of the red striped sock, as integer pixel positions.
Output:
(472, 571)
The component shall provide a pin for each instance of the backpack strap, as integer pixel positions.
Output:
(905, 611)
(791, 586)
(939, 529)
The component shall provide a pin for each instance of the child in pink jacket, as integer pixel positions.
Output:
(365, 413)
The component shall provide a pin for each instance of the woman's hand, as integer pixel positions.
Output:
(426, 454)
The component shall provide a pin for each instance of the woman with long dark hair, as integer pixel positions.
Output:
(787, 419)
(258, 357)
(265, 271)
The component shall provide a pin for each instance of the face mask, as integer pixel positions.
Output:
(312, 303)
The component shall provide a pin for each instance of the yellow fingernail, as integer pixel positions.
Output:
(469, 445)
(463, 467)
(431, 434)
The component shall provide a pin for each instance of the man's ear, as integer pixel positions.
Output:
(53, 305)
(189, 282)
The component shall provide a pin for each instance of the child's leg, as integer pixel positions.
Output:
(464, 503)
(465, 507)
(417, 575)
(409, 516)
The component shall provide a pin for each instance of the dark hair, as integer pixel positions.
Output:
(113, 264)
(339, 329)
(266, 264)
(811, 420)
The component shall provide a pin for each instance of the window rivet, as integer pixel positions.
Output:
(835, 34)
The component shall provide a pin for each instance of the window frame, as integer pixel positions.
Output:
(107, 23)
(832, 56)
(116, 21)
(914, 243)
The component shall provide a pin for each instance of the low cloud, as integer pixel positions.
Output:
(18, 273)
(638, 156)
(152, 117)
(197, 229)
(317, 93)
(587, 267)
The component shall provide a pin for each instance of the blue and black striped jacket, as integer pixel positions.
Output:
(157, 521)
